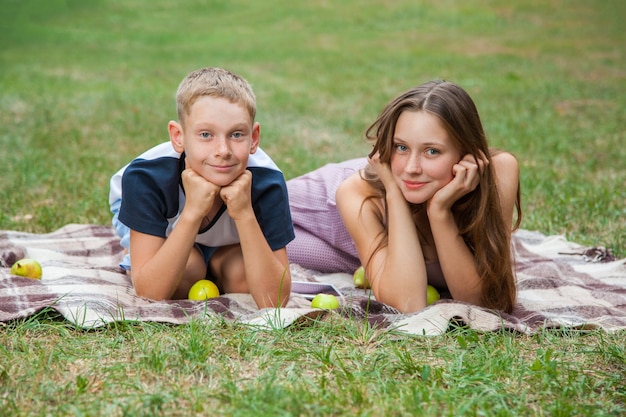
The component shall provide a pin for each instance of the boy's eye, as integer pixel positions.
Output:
(237, 135)
(205, 135)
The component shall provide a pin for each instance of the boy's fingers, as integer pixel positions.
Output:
(239, 184)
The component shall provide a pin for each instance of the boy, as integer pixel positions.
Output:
(207, 204)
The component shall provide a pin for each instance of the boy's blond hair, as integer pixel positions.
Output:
(214, 82)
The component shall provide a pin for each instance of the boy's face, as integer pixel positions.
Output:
(217, 137)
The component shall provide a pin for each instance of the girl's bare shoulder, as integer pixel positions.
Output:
(355, 186)
(503, 160)
(357, 193)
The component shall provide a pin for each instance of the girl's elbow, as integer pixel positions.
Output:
(406, 304)
(408, 308)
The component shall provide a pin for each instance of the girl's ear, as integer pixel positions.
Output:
(176, 136)
(256, 137)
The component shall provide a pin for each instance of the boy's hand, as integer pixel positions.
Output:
(200, 194)
(467, 174)
(237, 196)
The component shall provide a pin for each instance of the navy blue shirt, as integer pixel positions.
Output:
(152, 199)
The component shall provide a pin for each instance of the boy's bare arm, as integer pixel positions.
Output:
(158, 264)
(267, 272)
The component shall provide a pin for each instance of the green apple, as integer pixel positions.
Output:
(359, 278)
(203, 290)
(325, 301)
(432, 295)
(28, 268)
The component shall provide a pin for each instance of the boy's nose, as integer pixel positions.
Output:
(223, 149)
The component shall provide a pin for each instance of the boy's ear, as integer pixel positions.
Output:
(176, 135)
(256, 137)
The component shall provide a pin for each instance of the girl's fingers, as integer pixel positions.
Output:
(468, 173)
(374, 159)
(481, 162)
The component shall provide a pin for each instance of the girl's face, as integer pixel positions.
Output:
(422, 156)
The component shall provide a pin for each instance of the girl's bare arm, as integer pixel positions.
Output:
(456, 259)
(397, 272)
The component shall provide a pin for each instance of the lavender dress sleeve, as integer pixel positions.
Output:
(322, 242)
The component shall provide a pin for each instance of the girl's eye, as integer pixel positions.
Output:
(431, 151)
(400, 148)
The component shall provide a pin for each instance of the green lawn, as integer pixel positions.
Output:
(87, 85)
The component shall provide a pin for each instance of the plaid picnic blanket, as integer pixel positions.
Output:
(560, 285)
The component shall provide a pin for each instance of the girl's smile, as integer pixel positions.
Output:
(423, 156)
(414, 185)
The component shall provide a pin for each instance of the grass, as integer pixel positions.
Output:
(85, 86)
(329, 367)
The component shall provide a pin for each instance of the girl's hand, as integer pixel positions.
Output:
(199, 193)
(384, 172)
(237, 196)
(467, 174)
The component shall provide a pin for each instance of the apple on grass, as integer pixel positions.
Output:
(360, 281)
(432, 295)
(203, 290)
(325, 301)
(28, 268)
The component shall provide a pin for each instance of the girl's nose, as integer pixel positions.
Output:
(413, 165)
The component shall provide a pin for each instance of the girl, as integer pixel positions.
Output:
(431, 205)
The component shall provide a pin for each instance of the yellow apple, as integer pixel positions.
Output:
(203, 290)
(359, 278)
(432, 295)
(325, 301)
(28, 268)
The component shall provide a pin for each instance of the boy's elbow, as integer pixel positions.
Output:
(278, 295)
(274, 301)
(151, 295)
(284, 294)
(281, 297)
(147, 291)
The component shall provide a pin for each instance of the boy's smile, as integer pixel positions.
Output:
(217, 137)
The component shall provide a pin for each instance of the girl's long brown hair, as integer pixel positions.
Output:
(477, 214)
